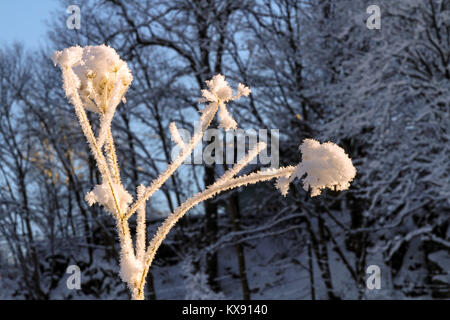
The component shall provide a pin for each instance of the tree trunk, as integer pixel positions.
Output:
(233, 204)
(311, 272)
(211, 231)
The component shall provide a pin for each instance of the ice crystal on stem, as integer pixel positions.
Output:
(102, 194)
(96, 79)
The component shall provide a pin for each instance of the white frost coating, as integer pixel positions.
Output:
(130, 268)
(220, 92)
(102, 194)
(226, 120)
(98, 70)
(141, 226)
(68, 57)
(243, 91)
(326, 165)
(175, 134)
(282, 184)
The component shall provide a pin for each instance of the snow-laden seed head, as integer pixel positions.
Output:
(326, 165)
(99, 75)
(220, 92)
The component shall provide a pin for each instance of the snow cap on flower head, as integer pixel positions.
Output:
(68, 57)
(326, 165)
(97, 72)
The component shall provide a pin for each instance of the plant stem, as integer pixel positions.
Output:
(208, 193)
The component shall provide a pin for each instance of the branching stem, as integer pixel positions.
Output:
(208, 193)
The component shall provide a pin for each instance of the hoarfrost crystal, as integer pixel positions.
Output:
(103, 195)
(325, 165)
(98, 73)
(220, 92)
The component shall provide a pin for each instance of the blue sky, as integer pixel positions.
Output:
(25, 20)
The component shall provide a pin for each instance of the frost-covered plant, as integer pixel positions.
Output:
(96, 79)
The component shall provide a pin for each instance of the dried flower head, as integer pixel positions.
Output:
(220, 92)
(98, 73)
(326, 165)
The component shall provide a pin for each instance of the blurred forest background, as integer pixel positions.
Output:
(316, 71)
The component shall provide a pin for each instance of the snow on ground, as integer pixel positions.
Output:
(277, 268)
